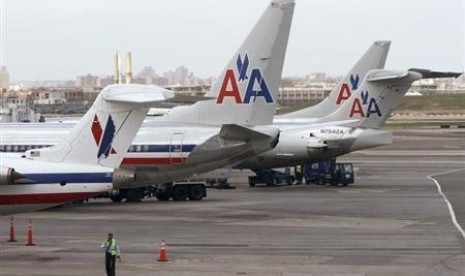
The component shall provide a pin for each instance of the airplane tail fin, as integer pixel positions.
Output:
(104, 134)
(247, 90)
(374, 58)
(379, 94)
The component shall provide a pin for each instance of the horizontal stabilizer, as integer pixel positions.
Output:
(384, 75)
(182, 98)
(237, 132)
(429, 74)
(136, 93)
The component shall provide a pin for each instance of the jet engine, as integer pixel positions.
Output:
(123, 179)
(8, 176)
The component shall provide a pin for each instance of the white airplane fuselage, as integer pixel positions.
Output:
(299, 145)
(165, 152)
(161, 152)
(46, 184)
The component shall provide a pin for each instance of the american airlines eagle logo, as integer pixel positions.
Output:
(103, 138)
(345, 91)
(256, 84)
(358, 110)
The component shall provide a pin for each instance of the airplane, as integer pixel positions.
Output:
(85, 162)
(235, 124)
(374, 58)
(355, 125)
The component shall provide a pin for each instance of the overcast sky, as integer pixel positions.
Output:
(56, 39)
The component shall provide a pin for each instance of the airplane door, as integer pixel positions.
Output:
(176, 155)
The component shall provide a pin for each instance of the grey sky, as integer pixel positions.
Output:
(56, 39)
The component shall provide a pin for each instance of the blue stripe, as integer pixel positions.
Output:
(107, 140)
(69, 178)
(151, 148)
(166, 148)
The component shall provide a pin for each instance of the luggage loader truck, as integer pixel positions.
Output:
(329, 171)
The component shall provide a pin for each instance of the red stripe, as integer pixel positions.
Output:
(152, 160)
(42, 198)
(96, 130)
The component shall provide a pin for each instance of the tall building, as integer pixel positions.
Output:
(147, 72)
(4, 79)
(181, 75)
(86, 81)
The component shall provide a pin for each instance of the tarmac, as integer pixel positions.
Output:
(392, 221)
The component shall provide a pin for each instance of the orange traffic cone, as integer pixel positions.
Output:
(29, 234)
(12, 231)
(162, 253)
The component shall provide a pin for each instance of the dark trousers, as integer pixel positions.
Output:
(110, 264)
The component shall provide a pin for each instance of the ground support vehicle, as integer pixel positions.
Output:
(178, 191)
(271, 177)
(329, 171)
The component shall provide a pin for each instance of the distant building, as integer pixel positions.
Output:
(58, 95)
(317, 77)
(291, 96)
(147, 72)
(181, 75)
(4, 79)
(104, 81)
(86, 81)
(17, 108)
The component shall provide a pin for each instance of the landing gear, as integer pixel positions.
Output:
(134, 195)
(162, 196)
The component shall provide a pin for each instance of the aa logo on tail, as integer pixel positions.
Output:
(256, 84)
(345, 92)
(103, 138)
(357, 106)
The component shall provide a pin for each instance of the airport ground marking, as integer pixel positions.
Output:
(449, 205)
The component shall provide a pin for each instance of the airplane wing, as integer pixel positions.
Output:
(347, 123)
(237, 132)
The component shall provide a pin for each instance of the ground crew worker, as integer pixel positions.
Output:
(112, 251)
(298, 174)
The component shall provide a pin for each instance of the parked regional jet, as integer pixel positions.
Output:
(353, 126)
(210, 134)
(374, 58)
(85, 161)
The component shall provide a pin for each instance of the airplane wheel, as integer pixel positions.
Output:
(180, 193)
(134, 195)
(162, 196)
(116, 198)
(196, 193)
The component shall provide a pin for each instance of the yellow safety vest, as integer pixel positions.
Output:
(112, 244)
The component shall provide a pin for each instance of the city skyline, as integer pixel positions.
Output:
(327, 36)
